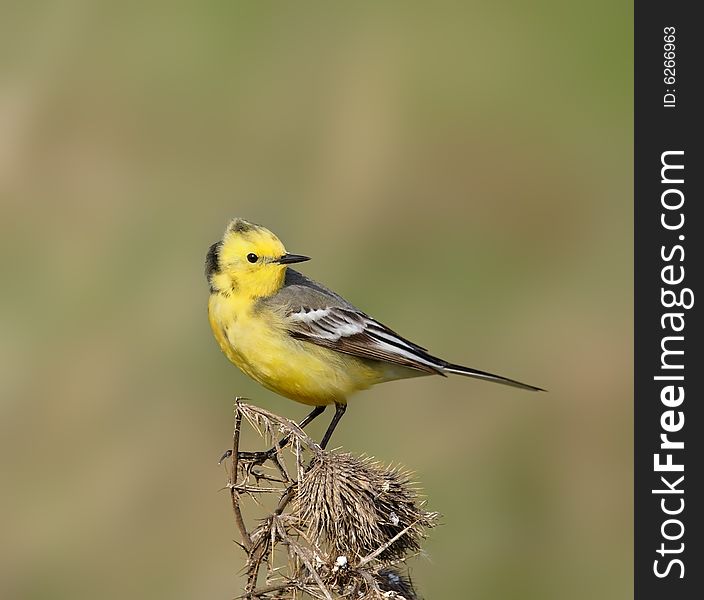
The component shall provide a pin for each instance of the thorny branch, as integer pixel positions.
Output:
(234, 492)
(342, 528)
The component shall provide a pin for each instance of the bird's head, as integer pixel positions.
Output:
(248, 260)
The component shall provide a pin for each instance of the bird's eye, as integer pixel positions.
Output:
(251, 257)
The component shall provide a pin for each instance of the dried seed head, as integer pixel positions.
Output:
(356, 506)
(336, 526)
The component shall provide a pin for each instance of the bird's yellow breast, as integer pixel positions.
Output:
(256, 340)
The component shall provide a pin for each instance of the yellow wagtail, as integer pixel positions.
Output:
(299, 339)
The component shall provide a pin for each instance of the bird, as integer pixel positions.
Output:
(299, 339)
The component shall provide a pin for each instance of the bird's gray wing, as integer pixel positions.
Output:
(317, 315)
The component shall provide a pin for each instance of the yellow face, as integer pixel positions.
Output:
(249, 260)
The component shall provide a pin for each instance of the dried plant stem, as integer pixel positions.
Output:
(267, 589)
(285, 499)
(386, 545)
(337, 531)
(234, 493)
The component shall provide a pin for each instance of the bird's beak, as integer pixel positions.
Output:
(289, 259)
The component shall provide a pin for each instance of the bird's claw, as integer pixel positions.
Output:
(256, 458)
(225, 455)
(259, 458)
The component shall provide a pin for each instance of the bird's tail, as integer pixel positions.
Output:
(467, 372)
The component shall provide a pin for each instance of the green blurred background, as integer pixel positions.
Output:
(461, 171)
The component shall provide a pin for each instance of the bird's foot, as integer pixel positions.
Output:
(256, 458)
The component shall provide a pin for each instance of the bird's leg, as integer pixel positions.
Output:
(266, 454)
(316, 412)
(339, 411)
